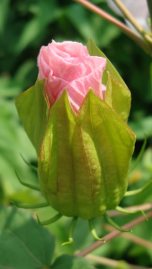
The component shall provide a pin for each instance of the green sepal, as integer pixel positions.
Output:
(117, 91)
(32, 109)
(55, 159)
(110, 143)
(84, 158)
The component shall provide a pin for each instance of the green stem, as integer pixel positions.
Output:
(28, 185)
(115, 225)
(51, 220)
(140, 190)
(93, 231)
(26, 206)
(72, 228)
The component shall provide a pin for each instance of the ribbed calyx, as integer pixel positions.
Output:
(84, 158)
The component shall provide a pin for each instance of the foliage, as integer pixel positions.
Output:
(24, 27)
(26, 244)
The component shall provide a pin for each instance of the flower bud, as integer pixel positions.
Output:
(78, 127)
(68, 65)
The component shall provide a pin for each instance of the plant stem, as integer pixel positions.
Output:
(149, 2)
(111, 263)
(143, 207)
(132, 20)
(114, 234)
(134, 238)
(129, 16)
(116, 22)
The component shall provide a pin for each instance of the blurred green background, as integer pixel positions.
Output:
(24, 27)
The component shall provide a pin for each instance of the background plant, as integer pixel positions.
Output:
(24, 27)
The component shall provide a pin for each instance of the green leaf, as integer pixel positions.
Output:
(23, 243)
(119, 94)
(32, 109)
(71, 262)
(36, 27)
(4, 9)
(142, 127)
(28, 35)
(84, 25)
(13, 143)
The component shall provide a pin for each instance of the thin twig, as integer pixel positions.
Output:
(110, 262)
(116, 22)
(149, 2)
(143, 207)
(129, 16)
(114, 234)
(132, 20)
(134, 238)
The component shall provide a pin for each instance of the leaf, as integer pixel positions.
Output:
(32, 109)
(120, 94)
(4, 8)
(71, 262)
(87, 23)
(84, 24)
(13, 143)
(36, 27)
(142, 127)
(23, 243)
(8, 88)
(28, 35)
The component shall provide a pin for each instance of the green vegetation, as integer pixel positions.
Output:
(24, 27)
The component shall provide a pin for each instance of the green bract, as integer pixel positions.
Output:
(117, 93)
(83, 158)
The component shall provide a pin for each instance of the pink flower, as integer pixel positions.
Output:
(68, 65)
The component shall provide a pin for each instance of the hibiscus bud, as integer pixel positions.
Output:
(68, 65)
(77, 124)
